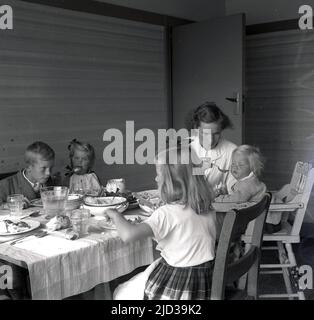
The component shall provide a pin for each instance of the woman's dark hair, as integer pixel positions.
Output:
(208, 112)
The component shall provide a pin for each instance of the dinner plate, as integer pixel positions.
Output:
(32, 223)
(134, 218)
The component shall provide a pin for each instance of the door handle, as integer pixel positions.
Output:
(238, 100)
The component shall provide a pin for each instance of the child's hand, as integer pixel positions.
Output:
(220, 189)
(217, 193)
(111, 213)
(26, 203)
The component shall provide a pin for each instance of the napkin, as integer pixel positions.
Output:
(52, 245)
(58, 223)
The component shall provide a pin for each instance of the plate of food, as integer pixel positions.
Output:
(36, 202)
(15, 226)
(107, 223)
(101, 211)
(147, 194)
(104, 201)
(98, 205)
(130, 197)
(149, 200)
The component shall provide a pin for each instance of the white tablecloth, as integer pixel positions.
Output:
(59, 268)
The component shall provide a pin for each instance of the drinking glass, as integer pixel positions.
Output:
(54, 200)
(15, 204)
(79, 219)
(114, 184)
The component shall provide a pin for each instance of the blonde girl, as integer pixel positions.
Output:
(246, 168)
(184, 229)
(82, 178)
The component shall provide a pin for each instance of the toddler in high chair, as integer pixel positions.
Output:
(246, 168)
(81, 178)
(184, 229)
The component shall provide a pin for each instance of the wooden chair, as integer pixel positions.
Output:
(297, 193)
(235, 224)
(7, 174)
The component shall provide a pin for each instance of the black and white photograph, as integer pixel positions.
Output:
(156, 150)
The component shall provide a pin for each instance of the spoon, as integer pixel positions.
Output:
(114, 195)
(221, 170)
(33, 214)
(76, 169)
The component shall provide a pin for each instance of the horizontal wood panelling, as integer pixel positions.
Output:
(67, 74)
(279, 103)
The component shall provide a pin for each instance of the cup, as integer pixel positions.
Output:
(80, 221)
(114, 184)
(15, 204)
(54, 200)
(77, 191)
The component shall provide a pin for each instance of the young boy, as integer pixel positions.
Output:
(39, 159)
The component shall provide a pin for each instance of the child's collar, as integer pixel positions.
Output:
(248, 177)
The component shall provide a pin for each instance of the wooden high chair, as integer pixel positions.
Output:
(226, 272)
(291, 201)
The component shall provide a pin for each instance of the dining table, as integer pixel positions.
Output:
(59, 268)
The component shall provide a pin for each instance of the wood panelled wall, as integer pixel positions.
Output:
(279, 105)
(66, 74)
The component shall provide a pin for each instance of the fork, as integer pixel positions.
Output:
(211, 164)
(37, 235)
(114, 196)
(33, 214)
(221, 170)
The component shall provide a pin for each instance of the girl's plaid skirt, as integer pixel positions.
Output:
(173, 283)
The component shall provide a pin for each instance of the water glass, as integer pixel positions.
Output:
(54, 200)
(15, 204)
(114, 184)
(80, 221)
